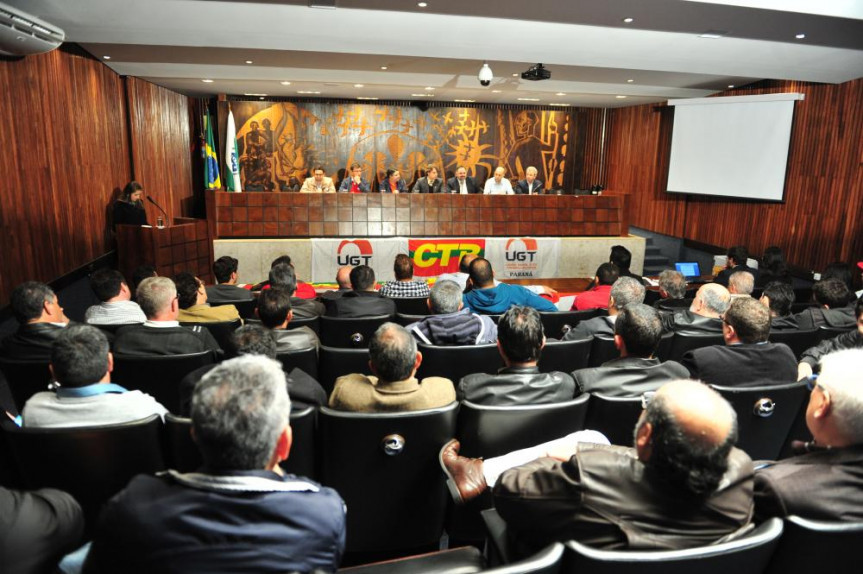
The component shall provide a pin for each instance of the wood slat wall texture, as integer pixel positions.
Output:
(821, 219)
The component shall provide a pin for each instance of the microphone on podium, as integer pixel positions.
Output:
(153, 201)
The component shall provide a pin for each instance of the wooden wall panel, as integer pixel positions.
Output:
(821, 219)
(589, 171)
(161, 143)
(65, 151)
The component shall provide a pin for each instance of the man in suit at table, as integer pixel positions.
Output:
(461, 183)
(431, 183)
(529, 185)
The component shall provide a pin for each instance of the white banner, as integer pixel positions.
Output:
(379, 254)
(523, 257)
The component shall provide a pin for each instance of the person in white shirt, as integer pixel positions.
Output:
(320, 183)
(498, 185)
(116, 307)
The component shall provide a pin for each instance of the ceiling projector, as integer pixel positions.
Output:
(536, 73)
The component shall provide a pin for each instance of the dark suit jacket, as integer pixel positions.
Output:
(32, 342)
(628, 376)
(597, 326)
(361, 304)
(821, 485)
(516, 386)
(453, 186)
(690, 322)
(521, 187)
(227, 294)
(422, 186)
(815, 317)
(742, 365)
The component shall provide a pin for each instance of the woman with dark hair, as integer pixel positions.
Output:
(393, 183)
(129, 207)
(773, 267)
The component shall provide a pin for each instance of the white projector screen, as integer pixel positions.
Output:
(733, 147)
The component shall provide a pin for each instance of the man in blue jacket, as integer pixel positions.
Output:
(486, 297)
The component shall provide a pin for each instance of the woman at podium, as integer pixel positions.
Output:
(129, 207)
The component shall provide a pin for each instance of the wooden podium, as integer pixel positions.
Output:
(184, 246)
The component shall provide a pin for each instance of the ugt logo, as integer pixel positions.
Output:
(526, 254)
(364, 257)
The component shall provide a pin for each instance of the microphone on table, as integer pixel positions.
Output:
(153, 201)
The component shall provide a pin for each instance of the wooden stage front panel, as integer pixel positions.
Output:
(263, 214)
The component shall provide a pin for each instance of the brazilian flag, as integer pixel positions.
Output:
(211, 162)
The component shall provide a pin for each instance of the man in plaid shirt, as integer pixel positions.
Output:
(404, 285)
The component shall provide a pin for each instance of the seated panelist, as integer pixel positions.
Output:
(498, 185)
(529, 185)
(431, 183)
(319, 183)
(355, 183)
(461, 183)
(393, 183)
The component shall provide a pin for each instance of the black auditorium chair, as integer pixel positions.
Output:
(748, 554)
(565, 356)
(350, 333)
(549, 560)
(816, 546)
(220, 330)
(457, 361)
(674, 305)
(825, 332)
(111, 330)
(245, 307)
(556, 324)
(305, 359)
(499, 549)
(405, 319)
(334, 362)
(615, 417)
(385, 466)
(182, 454)
(158, 376)
(664, 346)
(90, 463)
(683, 342)
(462, 560)
(25, 378)
(602, 350)
(412, 305)
(797, 340)
(312, 323)
(765, 415)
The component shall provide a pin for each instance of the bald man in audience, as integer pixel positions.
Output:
(825, 482)
(683, 485)
(746, 358)
(702, 317)
(625, 291)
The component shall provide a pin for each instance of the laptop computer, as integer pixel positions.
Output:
(690, 269)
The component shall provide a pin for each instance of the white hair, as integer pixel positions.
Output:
(842, 376)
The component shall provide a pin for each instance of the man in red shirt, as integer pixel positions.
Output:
(597, 298)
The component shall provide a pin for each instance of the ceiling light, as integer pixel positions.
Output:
(800, 36)
(106, 57)
(365, 98)
(528, 99)
(423, 95)
(207, 81)
(253, 94)
(558, 104)
(422, 4)
(628, 20)
(249, 62)
(620, 97)
(714, 34)
(485, 75)
(730, 85)
(467, 101)
(359, 85)
(560, 94)
(383, 67)
(307, 92)
(285, 83)
(262, 97)
(629, 81)
(495, 91)
(429, 88)
(515, 75)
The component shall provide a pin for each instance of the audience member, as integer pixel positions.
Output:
(343, 280)
(161, 333)
(637, 332)
(520, 340)
(303, 290)
(672, 291)
(37, 528)
(683, 485)
(710, 302)
(851, 340)
(226, 289)
(529, 185)
(832, 310)
(841, 271)
(450, 323)
(404, 284)
(773, 268)
(597, 296)
(741, 284)
(622, 258)
(192, 299)
(140, 273)
(736, 261)
(282, 275)
(461, 276)
(40, 320)
(486, 297)
(778, 298)
(241, 513)
(362, 300)
(394, 360)
(625, 291)
(84, 395)
(747, 358)
(275, 312)
(825, 482)
(116, 307)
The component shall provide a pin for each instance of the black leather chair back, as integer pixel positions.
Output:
(220, 330)
(798, 341)
(412, 305)
(462, 560)
(158, 376)
(664, 347)
(602, 350)
(25, 378)
(350, 333)
(405, 319)
(334, 362)
(825, 332)
(458, 361)
(765, 416)
(683, 342)
(312, 323)
(245, 307)
(746, 555)
(111, 330)
(302, 459)
(557, 324)
(306, 359)
(90, 463)
(615, 417)
(549, 560)
(565, 356)
(385, 467)
(816, 546)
